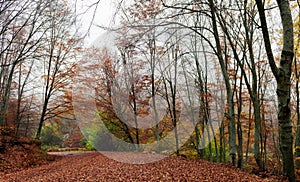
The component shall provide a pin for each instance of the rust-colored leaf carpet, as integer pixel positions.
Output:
(94, 166)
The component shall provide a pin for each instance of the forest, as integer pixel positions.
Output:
(198, 79)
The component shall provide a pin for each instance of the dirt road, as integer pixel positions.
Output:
(93, 166)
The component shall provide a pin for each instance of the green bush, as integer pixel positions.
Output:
(87, 144)
(49, 137)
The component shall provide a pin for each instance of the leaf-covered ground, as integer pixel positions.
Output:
(93, 166)
(19, 154)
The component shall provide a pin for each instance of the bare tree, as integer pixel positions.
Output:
(57, 53)
(20, 37)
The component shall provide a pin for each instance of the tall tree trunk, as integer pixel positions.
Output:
(297, 141)
(152, 45)
(283, 78)
(249, 132)
(42, 119)
(173, 88)
(253, 91)
(230, 103)
(134, 107)
(172, 110)
(284, 115)
(4, 106)
(239, 125)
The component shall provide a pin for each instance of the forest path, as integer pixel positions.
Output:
(93, 166)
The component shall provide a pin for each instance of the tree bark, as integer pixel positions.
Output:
(230, 103)
(283, 78)
(297, 141)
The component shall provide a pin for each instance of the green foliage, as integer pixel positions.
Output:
(215, 157)
(98, 138)
(106, 136)
(50, 136)
(190, 151)
(85, 142)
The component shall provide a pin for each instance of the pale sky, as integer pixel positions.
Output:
(104, 17)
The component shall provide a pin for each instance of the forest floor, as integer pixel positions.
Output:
(94, 166)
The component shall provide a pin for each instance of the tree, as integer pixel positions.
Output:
(230, 114)
(24, 101)
(283, 78)
(297, 92)
(20, 37)
(57, 54)
(245, 44)
(145, 41)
